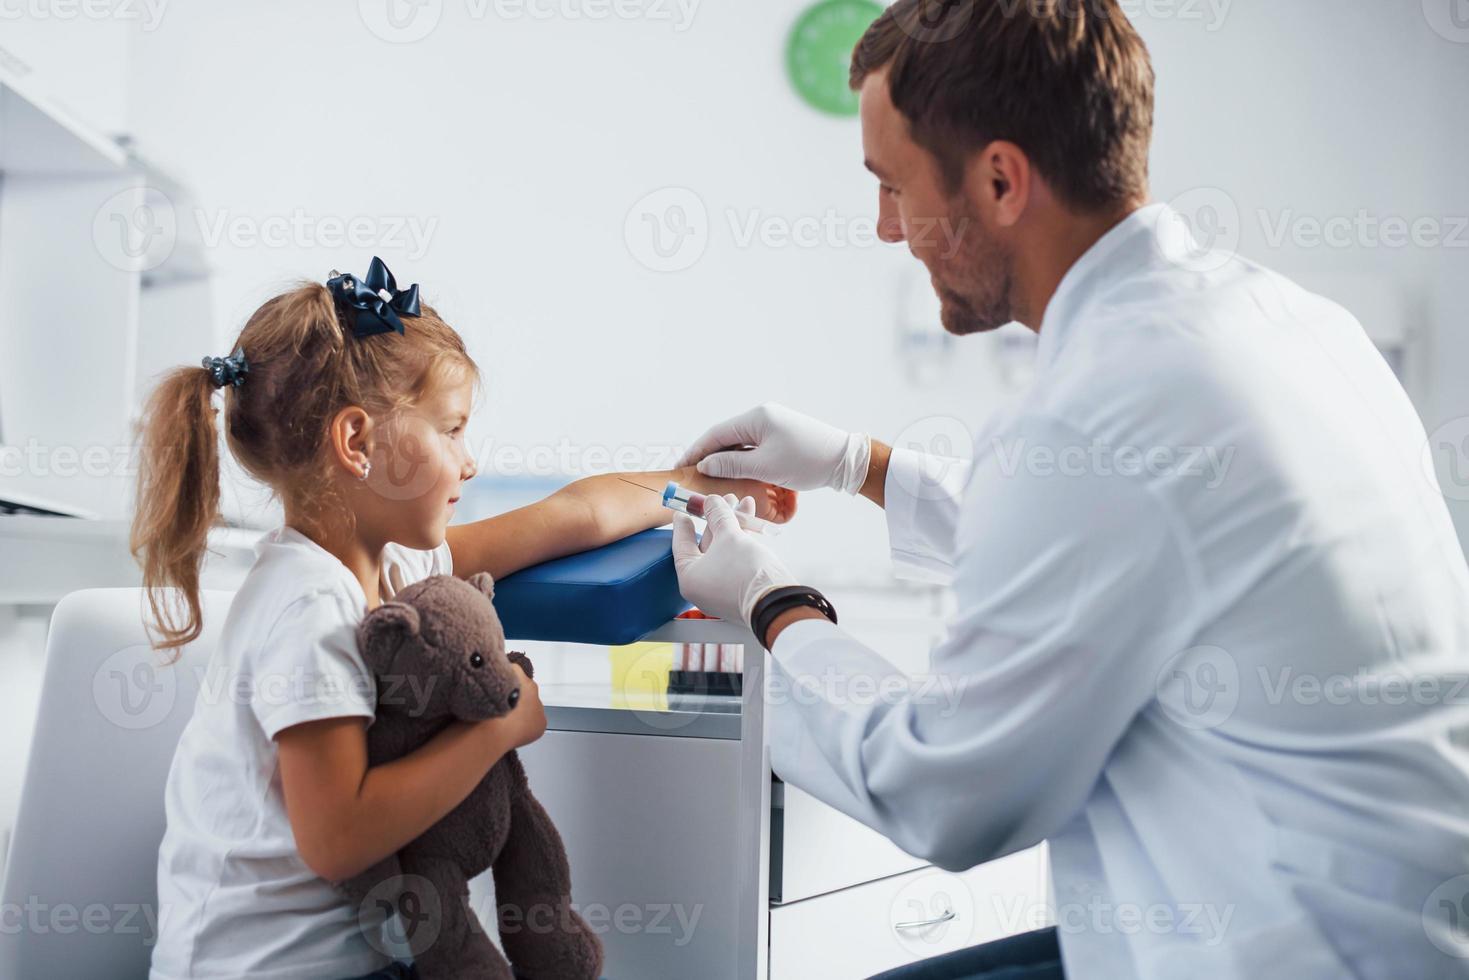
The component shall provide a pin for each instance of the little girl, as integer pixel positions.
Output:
(349, 400)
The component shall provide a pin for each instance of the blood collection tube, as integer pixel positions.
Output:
(688, 502)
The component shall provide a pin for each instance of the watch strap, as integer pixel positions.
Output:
(779, 601)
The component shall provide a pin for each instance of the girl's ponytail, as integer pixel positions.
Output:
(177, 500)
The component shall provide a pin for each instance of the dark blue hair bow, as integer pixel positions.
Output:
(373, 305)
(227, 370)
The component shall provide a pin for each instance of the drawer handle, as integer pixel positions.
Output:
(925, 923)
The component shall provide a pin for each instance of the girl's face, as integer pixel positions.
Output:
(419, 464)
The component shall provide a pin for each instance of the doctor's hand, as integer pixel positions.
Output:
(726, 572)
(785, 448)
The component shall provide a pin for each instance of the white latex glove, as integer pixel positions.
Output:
(789, 450)
(727, 571)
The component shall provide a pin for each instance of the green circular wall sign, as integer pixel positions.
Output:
(819, 52)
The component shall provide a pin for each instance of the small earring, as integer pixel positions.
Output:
(366, 468)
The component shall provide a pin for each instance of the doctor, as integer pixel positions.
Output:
(1212, 627)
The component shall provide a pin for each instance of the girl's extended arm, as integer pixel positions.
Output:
(588, 514)
(346, 816)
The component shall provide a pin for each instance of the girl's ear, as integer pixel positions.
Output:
(383, 632)
(484, 582)
(350, 434)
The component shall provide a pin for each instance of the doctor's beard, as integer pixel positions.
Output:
(976, 286)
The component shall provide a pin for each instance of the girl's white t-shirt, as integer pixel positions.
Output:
(234, 897)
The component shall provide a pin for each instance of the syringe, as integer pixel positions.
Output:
(686, 501)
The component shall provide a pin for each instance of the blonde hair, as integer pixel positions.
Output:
(304, 367)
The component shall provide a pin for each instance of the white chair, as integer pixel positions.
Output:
(80, 895)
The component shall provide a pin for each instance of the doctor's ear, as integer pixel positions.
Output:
(998, 179)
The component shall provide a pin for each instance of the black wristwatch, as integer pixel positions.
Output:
(783, 600)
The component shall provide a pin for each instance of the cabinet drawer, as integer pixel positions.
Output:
(876, 926)
(815, 849)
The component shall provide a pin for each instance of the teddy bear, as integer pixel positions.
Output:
(437, 653)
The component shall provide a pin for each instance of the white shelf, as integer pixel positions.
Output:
(39, 137)
(47, 557)
(9, 495)
(79, 341)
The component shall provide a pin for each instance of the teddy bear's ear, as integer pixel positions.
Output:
(484, 582)
(383, 632)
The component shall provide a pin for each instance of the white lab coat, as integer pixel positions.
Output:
(1211, 636)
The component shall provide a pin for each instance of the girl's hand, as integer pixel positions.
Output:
(525, 723)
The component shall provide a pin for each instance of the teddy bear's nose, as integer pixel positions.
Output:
(514, 697)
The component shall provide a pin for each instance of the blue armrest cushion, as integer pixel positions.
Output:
(610, 595)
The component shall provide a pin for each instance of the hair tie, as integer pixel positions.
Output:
(227, 370)
(374, 304)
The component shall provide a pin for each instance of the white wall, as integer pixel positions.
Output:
(1313, 111)
(77, 56)
(523, 144)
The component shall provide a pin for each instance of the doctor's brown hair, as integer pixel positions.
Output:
(1068, 81)
(304, 367)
